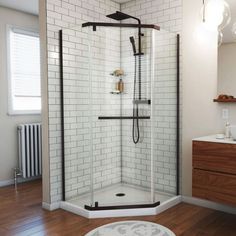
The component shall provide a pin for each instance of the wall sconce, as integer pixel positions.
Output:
(234, 31)
(220, 38)
(215, 14)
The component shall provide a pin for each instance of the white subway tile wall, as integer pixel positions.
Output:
(160, 55)
(168, 15)
(88, 83)
(136, 158)
(165, 111)
(63, 14)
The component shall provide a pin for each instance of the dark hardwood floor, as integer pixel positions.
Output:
(21, 214)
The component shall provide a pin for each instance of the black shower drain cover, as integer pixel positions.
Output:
(120, 194)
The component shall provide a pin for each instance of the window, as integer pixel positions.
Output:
(24, 72)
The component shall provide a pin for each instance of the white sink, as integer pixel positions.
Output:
(233, 131)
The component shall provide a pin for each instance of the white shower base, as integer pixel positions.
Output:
(107, 197)
(133, 195)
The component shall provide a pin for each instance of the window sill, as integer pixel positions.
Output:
(24, 113)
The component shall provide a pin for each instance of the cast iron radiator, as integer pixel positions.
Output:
(30, 150)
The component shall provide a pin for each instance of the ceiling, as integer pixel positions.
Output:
(29, 6)
(227, 31)
(121, 1)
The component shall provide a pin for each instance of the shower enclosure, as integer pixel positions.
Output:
(120, 114)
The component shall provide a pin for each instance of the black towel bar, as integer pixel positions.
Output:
(123, 117)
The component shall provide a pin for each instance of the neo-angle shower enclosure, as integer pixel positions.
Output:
(120, 149)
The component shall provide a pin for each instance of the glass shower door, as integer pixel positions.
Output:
(121, 170)
(164, 113)
(137, 172)
(120, 146)
(77, 138)
(105, 107)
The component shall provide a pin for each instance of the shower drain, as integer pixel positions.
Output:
(120, 194)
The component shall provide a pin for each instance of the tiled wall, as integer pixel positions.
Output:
(165, 111)
(159, 133)
(88, 84)
(62, 14)
(65, 13)
(136, 158)
(168, 15)
(165, 13)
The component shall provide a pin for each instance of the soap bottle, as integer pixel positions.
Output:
(227, 130)
(120, 86)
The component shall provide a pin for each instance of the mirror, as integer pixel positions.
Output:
(227, 56)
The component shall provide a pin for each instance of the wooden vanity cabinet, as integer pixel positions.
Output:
(214, 171)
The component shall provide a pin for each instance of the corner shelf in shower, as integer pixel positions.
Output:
(115, 92)
(123, 117)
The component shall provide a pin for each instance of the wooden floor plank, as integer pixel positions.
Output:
(21, 214)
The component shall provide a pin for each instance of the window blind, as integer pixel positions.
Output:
(25, 71)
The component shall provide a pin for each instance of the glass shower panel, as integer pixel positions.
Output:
(120, 144)
(77, 144)
(164, 112)
(136, 157)
(106, 110)
(121, 168)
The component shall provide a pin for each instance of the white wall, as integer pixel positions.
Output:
(227, 79)
(227, 69)
(200, 113)
(44, 90)
(8, 124)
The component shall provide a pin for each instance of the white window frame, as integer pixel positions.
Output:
(26, 31)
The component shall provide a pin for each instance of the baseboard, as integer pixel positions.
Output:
(74, 209)
(209, 204)
(4, 183)
(50, 206)
(8, 182)
(168, 204)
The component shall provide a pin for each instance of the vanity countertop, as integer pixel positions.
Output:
(212, 138)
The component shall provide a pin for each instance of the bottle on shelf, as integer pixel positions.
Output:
(120, 86)
(227, 130)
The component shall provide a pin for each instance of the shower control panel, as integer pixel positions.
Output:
(148, 101)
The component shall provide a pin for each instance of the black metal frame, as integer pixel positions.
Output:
(94, 24)
(62, 115)
(178, 119)
(123, 117)
(99, 208)
(120, 25)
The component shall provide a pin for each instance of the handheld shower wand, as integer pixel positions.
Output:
(135, 128)
(133, 44)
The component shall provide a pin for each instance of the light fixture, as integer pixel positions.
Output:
(215, 14)
(234, 31)
(220, 38)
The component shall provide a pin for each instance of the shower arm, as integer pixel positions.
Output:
(140, 34)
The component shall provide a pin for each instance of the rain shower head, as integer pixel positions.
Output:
(119, 16)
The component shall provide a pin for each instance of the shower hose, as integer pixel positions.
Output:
(135, 129)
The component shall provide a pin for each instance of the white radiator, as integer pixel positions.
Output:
(30, 150)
